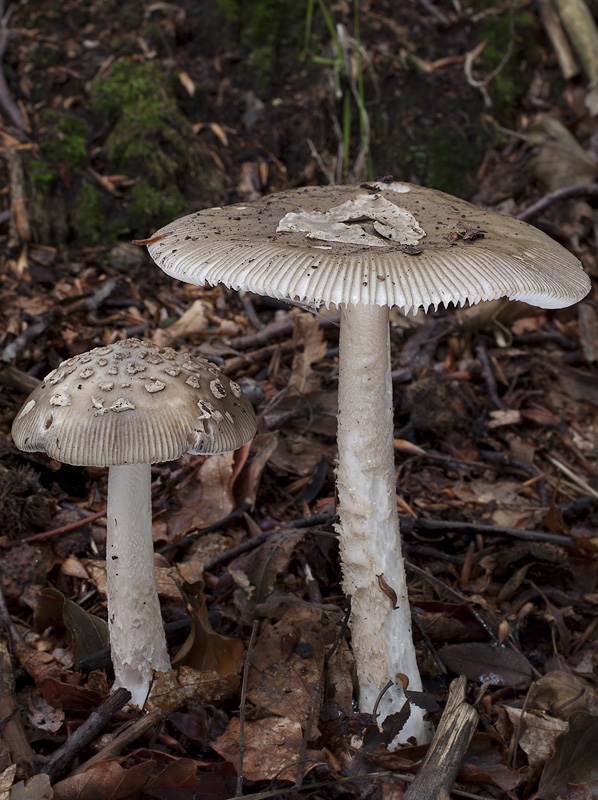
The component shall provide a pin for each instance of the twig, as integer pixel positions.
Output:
(215, 526)
(129, 734)
(41, 537)
(12, 730)
(370, 776)
(488, 374)
(558, 39)
(6, 101)
(454, 526)
(250, 310)
(473, 54)
(575, 478)
(7, 623)
(36, 327)
(243, 710)
(86, 733)
(255, 541)
(19, 231)
(279, 330)
(439, 769)
(564, 193)
(435, 12)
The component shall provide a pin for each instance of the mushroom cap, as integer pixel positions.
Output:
(132, 402)
(382, 243)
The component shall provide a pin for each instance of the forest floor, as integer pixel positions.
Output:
(127, 115)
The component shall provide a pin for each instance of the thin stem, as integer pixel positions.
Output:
(137, 638)
(367, 507)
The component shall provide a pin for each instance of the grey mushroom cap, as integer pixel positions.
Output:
(132, 402)
(381, 243)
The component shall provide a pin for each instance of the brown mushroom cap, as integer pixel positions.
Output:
(132, 402)
(390, 244)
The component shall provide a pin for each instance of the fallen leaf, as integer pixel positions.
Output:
(288, 685)
(193, 320)
(563, 693)
(88, 633)
(537, 733)
(307, 332)
(36, 788)
(574, 760)
(104, 781)
(204, 497)
(483, 663)
(7, 777)
(272, 749)
(178, 687)
(204, 649)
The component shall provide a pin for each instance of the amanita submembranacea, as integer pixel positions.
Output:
(126, 406)
(367, 248)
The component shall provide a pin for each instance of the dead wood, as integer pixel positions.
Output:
(437, 775)
(11, 724)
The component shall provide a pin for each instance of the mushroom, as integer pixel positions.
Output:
(366, 248)
(126, 406)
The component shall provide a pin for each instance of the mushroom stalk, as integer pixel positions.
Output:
(137, 638)
(369, 525)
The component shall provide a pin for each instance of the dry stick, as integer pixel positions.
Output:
(453, 526)
(439, 770)
(35, 328)
(564, 193)
(370, 776)
(11, 724)
(488, 374)
(6, 101)
(281, 329)
(255, 541)
(128, 735)
(41, 537)
(243, 708)
(86, 733)
(19, 230)
(558, 39)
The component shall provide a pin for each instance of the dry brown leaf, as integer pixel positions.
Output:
(307, 332)
(205, 496)
(287, 664)
(165, 576)
(105, 781)
(272, 749)
(180, 686)
(6, 781)
(562, 693)
(537, 733)
(194, 320)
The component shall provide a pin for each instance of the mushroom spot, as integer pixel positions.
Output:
(86, 373)
(102, 362)
(193, 381)
(391, 222)
(235, 389)
(106, 387)
(217, 389)
(173, 371)
(61, 400)
(113, 371)
(98, 404)
(122, 405)
(154, 385)
(27, 408)
(133, 369)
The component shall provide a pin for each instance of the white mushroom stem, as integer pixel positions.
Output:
(137, 638)
(369, 524)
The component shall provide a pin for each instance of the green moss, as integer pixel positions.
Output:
(513, 78)
(66, 141)
(88, 215)
(146, 202)
(148, 134)
(265, 30)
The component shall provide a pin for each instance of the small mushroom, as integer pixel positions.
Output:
(366, 248)
(126, 406)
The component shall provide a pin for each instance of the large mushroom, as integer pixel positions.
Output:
(366, 248)
(126, 406)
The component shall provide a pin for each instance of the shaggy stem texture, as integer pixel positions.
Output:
(137, 638)
(369, 524)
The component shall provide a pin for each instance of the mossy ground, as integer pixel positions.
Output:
(136, 125)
